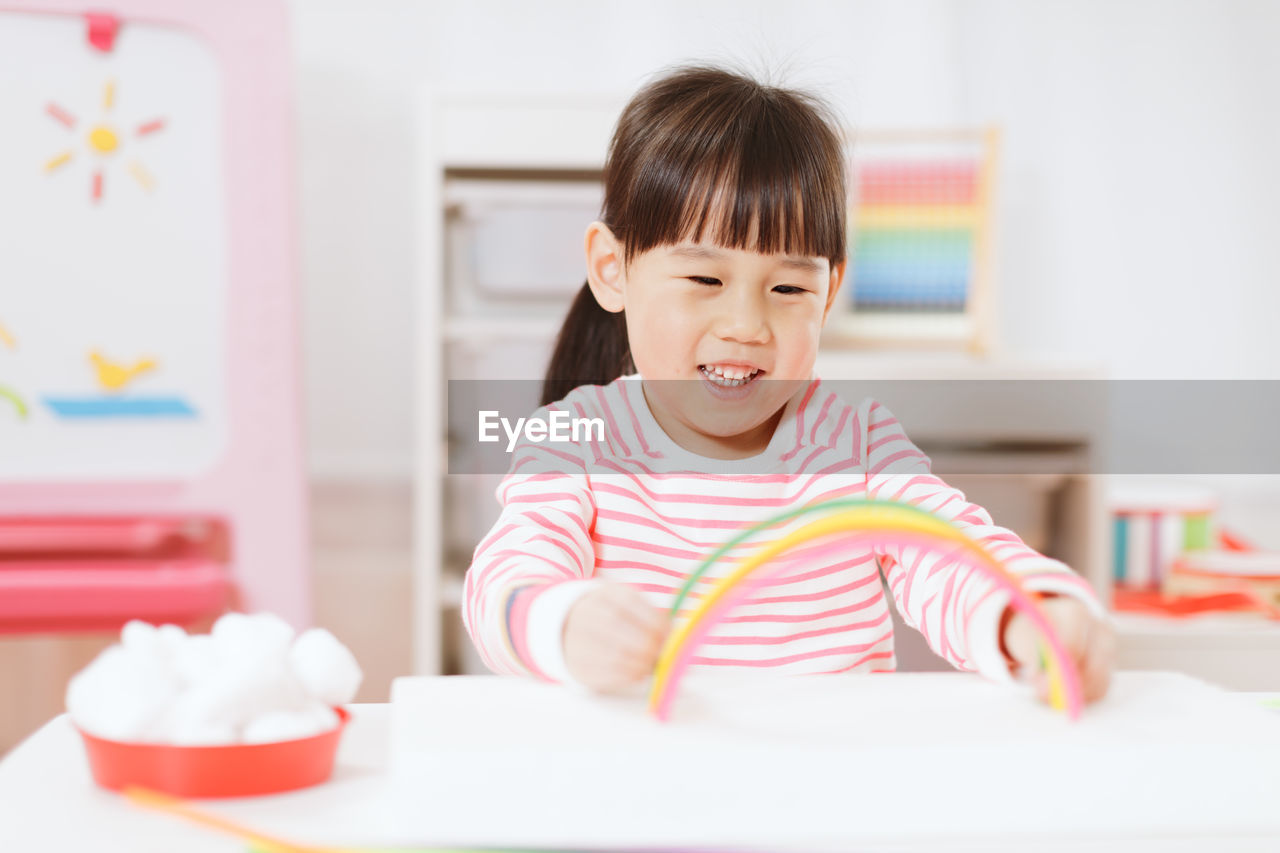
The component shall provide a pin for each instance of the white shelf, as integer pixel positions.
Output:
(1239, 654)
(1214, 629)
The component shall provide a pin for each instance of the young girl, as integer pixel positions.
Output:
(719, 254)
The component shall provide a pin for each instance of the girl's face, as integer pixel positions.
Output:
(739, 328)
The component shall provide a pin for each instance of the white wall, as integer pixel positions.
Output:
(1140, 200)
(1141, 197)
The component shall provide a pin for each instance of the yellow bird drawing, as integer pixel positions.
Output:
(113, 376)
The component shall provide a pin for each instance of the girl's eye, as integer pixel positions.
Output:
(703, 279)
(788, 289)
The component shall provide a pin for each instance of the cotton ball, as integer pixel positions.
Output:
(326, 669)
(196, 660)
(234, 693)
(122, 695)
(172, 639)
(289, 725)
(325, 717)
(239, 636)
(140, 637)
(195, 733)
(273, 634)
(148, 647)
(147, 643)
(234, 637)
(175, 649)
(226, 698)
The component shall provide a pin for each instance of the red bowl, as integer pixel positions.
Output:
(237, 770)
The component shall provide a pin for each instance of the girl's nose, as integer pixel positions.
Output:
(742, 320)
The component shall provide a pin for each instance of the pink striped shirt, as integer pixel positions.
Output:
(638, 509)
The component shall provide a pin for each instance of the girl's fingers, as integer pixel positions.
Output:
(1098, 664)
(1074, 627)
(608, 668)
(1094, 658)
(612, 638)
(644, 617)
(640, 628)
(621, 642)
(620, 628)
(1090, 646)
(1086, 642)
(642, 655)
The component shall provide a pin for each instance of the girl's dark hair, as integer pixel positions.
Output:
(703, 152)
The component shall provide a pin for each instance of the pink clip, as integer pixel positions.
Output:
(102, 30)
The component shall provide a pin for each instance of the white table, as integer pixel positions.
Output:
(48, 802)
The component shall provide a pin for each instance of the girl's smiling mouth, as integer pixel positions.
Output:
(729, 381)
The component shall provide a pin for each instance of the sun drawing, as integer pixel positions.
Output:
(103, 140)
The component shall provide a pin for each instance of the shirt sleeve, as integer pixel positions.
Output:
(955, 606)
(534, 563)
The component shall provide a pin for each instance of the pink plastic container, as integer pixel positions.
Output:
(239, 770)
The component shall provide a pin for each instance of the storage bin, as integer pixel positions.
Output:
(512, 246)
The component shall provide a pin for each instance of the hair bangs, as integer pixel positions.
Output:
(758, 172)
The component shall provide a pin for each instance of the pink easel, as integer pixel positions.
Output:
(89, 555)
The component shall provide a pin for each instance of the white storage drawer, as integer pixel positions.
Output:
(516, 245)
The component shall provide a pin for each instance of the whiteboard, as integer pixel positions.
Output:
(825, 761)
(133, 268)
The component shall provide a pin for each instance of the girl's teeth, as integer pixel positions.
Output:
(729, 377)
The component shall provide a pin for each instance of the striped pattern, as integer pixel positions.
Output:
(638, 510)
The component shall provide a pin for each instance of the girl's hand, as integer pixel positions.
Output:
(612, 637)
(1088, 641)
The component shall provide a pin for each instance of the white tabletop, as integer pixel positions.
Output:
(49, 802)
(859, 761)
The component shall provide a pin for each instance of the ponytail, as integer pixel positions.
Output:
(592, 349)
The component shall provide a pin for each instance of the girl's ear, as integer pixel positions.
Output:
(604, 267)
(837, 279)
